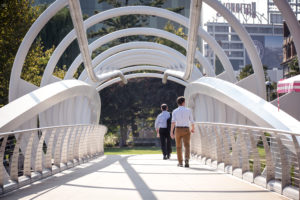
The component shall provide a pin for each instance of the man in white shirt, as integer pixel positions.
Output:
(182, 118)
(162, 131)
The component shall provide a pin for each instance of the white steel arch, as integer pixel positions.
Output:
(30, 36)
(261, 112)
(145, 31)
(140, 75)
(137, 10)
(248, 43)
(26, 107)
(138, 57)
(122, 47)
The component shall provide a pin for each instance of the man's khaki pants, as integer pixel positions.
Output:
(185, 135)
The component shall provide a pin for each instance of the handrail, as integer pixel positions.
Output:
(265, 156)
(41, 128)
(26, 156)
(248, 127)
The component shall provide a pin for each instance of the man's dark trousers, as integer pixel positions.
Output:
(165, 140)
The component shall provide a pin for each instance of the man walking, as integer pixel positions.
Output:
(182, 118)
(162, 130)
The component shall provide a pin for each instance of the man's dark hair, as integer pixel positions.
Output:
(180, 100)
(164, 106)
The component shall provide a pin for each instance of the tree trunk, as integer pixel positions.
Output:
(134, 128)
(123, 136)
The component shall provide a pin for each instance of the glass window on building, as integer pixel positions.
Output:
(237, 54)
(266, 30)
(210, 29)
(221, 37)
(236, 46)
(225, 45)
(235, 38)
(237, 64)
(222, 29)
(278, 31)
(252, 29)
(276, 18)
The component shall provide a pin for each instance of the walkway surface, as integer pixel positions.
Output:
(141, 177)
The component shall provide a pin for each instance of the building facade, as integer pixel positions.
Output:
(274, 16)
(267, 39)
(289, 51)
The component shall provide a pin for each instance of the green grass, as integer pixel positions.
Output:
(133, 150)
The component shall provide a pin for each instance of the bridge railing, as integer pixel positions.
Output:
(264, 156)
(30, 155)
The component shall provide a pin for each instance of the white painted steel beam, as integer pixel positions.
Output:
(291, 21)
(28, 106)
(247, 41)
(194, 22)
(261, 112)
(76, 15)
(123, 47)
(148, 32)
(140, 75)
(77, 19)
(30, 36)
(136, 10)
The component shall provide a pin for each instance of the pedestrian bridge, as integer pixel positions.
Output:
(141, 177)
(51, 139)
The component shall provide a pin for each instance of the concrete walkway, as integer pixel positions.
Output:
(141, 177)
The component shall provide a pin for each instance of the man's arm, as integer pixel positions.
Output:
(192, 122)
(172, 130)
(193, 128)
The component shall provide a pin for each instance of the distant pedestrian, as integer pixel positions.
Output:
(163, 131)
(182, 119)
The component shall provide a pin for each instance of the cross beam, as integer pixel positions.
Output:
(194, 22)
(80, 31)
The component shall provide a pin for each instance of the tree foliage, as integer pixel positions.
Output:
(124, 106)
(16, 17)
(170, 28)
(294, 67)
(248, 70)
(55, 30)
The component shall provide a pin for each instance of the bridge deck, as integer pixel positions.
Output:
(141, 177)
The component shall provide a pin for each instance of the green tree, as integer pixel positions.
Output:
(248, 70)
(127, 21)
(55, 30)
(294, 67)
(170, 28)
(124, 105)
(16, 17)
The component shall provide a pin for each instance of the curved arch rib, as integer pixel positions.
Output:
(248, 43)
(76, 15)
(140, 75)
(17, 112)
(152, 32)
(254, 107)
(130, 57)
(26, 44)
(140, 57)
(122, 47)
(136, 10)
(194, 22)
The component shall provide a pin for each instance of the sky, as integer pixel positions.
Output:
(209, 13)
